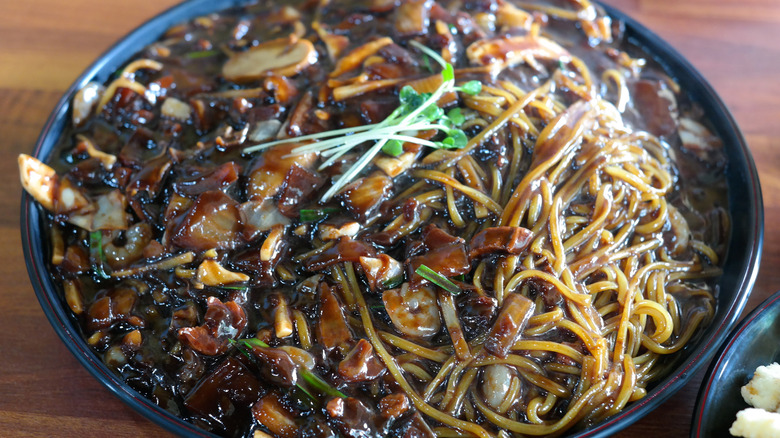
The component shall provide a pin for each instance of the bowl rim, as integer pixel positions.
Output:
(719, 365)
(636, 34)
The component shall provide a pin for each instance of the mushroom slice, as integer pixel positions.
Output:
(334, 43)
(282, 56)
(356, 57)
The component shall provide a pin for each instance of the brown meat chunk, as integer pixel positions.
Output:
(345, 250)
(333, 329)
(212, 222)
(363, 197)
(270, 412)
(230, 388)
(270, 170)
(444, 254)
(299, 186)
(500, 240)
(218, 178)
(361, 364)
(514, 315)
(223, 321)
(657, 106)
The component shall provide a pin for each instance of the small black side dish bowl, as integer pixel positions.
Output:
(755, 342)
(740, 266)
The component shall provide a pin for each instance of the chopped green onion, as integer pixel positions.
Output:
(314, 215)
(233, 287)
(437, 279)
(320, 385)
(254, 342)
(394, 282)
(393, 147)
(202, 54)
(310, 378)
(237, 346)
(97, 254)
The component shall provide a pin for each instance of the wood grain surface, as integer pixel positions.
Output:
(44, 46)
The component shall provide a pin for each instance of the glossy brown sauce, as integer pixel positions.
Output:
(189, 187)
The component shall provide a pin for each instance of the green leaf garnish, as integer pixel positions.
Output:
(472, 88)
(97, 254)
(449, 73)
(437, 279)
(417, 112)
(393, 147)
(456, 117)
(317, 214)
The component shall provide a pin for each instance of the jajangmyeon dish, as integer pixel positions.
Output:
(387, 218)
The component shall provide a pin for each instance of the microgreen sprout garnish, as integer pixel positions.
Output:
(417, 112)
(312, 380)
(314, 215)
(97, 254)
(437, 279)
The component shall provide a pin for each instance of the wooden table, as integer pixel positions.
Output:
(44, 46)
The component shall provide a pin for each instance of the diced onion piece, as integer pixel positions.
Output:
(282, 323)
(73, 297)
(84, 101)
(39, 180)
(176, 109)
(332, 232)
(211, 273)
(272, 243)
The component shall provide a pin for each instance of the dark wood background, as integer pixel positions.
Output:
(44, 46)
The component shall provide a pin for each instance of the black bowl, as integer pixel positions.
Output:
(740, 264)
(755, 342)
